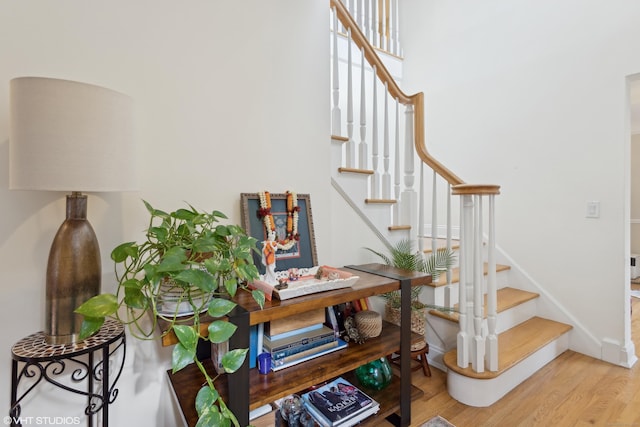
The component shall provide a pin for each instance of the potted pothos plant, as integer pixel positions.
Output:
(188, 264)
(402, 255)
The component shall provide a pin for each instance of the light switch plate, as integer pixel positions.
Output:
(593, 209)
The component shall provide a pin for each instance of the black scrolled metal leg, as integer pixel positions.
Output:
(105, 386)
(90, 390)
(41, 361)
(239, 380)
(14, 412)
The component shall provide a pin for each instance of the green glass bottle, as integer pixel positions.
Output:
(375, 374)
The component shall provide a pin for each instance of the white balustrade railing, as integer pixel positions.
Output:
(477, 343)
(378, 20)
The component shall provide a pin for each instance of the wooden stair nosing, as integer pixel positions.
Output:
(399, 227)
(507, 298)
(380, 201)
(355, 170)
(514, 345)
(339, 138)
(441, 243)
(429, 250)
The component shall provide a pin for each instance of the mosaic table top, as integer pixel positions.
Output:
(34, 346)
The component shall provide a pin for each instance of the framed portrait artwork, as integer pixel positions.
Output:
(302, 253)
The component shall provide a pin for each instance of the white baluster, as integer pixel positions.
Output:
(492, 297)
(360, 16)
(448, 291)
(351, 147)
(421, 202)
(478, 349)
(367, 20)
(408, 149)
(351, 7)
(408, 200)
(395, 28)
(385, 26)
(363, 155)
(375, 179)
(375, 35)
(466, 264)
(392, 26)
(336, 119)
(396, 168)
(434, 212)
(386, 177)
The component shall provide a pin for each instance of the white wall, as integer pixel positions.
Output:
(537, 92)
(230, 97)
(635, 194)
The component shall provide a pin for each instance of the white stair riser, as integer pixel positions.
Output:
(355, 189)
(485, 392)
(336, 154)
(355, 185)
(514, 316)
(437, 295)
(443, 333)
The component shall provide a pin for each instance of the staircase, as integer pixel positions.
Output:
(526, 342)
(496, 339)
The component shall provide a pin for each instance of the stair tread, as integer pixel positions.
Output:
(455, 275)
(380, 201)
(507, 298)
(399, 227)
(356, 171)
(514, 345)
(440, 244)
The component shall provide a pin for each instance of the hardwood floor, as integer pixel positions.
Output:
(572, 390)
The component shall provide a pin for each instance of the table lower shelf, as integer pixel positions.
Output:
(187, 382)
(265, 389)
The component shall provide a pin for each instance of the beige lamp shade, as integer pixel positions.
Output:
(70, 136)
(74, 137)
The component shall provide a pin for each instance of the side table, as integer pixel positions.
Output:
(34, 360)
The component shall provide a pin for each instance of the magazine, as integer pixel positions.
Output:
(339, 403)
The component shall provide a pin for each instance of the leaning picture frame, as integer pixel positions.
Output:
(303, 252)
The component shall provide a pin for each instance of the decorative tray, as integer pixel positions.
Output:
(297, 282)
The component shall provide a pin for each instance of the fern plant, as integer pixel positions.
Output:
(402, 255)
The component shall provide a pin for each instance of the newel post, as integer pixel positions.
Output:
(473, 346)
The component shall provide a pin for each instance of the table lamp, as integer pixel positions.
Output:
(73, 137)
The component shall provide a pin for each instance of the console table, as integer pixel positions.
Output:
(34, 360)
(250, 390)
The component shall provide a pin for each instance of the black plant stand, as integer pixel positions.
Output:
(34, 360)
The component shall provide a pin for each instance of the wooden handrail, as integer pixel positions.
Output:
(421, 146)
(416, 100)
(467, 189)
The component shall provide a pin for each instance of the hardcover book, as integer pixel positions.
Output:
(278, 364)
(295, 343)
(339, 403)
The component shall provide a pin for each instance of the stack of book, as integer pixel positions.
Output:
(300, 339)
(339, 403)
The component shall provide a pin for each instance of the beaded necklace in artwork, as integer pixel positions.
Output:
(292, 219)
